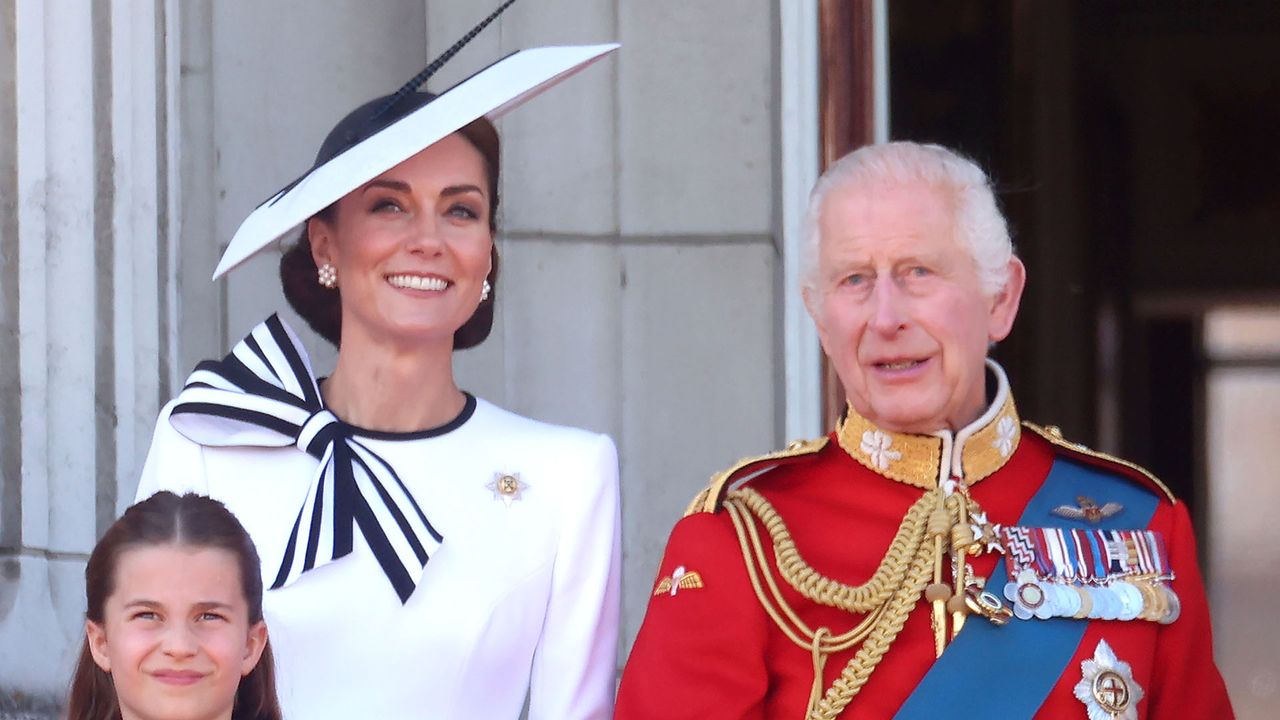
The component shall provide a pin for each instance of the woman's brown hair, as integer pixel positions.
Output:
(191, 521)
(322, 307)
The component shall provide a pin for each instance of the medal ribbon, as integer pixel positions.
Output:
(1029, 657)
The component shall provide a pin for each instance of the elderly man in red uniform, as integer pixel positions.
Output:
(934, 556)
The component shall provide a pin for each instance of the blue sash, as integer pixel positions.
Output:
(1027, 657)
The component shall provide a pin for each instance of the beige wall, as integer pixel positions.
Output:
(1242, 419)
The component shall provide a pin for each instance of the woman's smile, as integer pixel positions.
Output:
(178, 677)
(430, 283)
(420, 231)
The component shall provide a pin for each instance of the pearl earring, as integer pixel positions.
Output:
(485, 289)
(327, 275)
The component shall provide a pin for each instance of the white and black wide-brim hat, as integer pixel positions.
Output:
(386, 131)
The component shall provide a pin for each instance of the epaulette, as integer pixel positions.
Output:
(1100, 459)
(711, 497)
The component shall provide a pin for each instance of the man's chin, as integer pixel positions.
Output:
(906, 419)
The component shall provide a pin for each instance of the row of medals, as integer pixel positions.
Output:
(1120, 598)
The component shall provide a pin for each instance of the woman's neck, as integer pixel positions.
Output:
(393, 389)
(127, 713)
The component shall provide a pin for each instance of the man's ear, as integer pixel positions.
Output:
(809, 295)
(813, 304)
(1004, 304)
(96, 636)
(254, 645)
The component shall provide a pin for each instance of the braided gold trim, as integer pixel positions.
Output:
(708, 499)
(758, 568)
(832, 593)
(858, 671)
(885, 601)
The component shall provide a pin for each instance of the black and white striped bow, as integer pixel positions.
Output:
(263, 394)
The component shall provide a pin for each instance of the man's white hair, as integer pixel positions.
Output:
(977, 220)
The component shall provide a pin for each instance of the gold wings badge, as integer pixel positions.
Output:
(680, 579)
(1087, 510)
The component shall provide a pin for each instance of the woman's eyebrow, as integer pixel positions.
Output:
(401, 186)
(460, 189)
(396, 185)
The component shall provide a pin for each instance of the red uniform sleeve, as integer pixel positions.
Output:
(1186, 682)
(700, 653)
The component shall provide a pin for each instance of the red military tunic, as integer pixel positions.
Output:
(708, 649)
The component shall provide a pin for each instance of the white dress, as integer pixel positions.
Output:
(521, 595)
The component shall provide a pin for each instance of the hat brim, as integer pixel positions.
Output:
(501, 87)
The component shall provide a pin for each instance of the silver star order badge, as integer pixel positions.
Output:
(507, 487)
(1107, 687)
(984, 533)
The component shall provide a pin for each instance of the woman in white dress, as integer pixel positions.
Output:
(428, 554)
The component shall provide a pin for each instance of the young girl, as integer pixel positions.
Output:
(174, 623)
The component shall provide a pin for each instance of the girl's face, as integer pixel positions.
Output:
(175, 636)
(411, 246)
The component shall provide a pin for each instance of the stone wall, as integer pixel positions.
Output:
(641, 270)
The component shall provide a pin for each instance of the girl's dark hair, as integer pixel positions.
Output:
(167, 519)
(322, 307)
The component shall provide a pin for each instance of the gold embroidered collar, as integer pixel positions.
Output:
(924, 461)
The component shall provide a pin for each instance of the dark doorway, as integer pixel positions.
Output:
(1136, 148)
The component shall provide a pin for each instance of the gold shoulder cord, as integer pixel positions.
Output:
(885, 601)
(708, 500)
(1054, 436)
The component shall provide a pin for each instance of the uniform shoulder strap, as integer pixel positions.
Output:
(1092, 457)
(711, 497)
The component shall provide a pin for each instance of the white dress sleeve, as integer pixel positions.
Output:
(574, 666)
(173, 463)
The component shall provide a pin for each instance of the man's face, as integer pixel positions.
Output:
(900, 307)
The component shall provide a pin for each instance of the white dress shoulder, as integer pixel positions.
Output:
(521, 595)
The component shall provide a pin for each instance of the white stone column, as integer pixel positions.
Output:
(82, 295)
(10, 407)
(798, 163)
(141, 292)
(55, 353)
